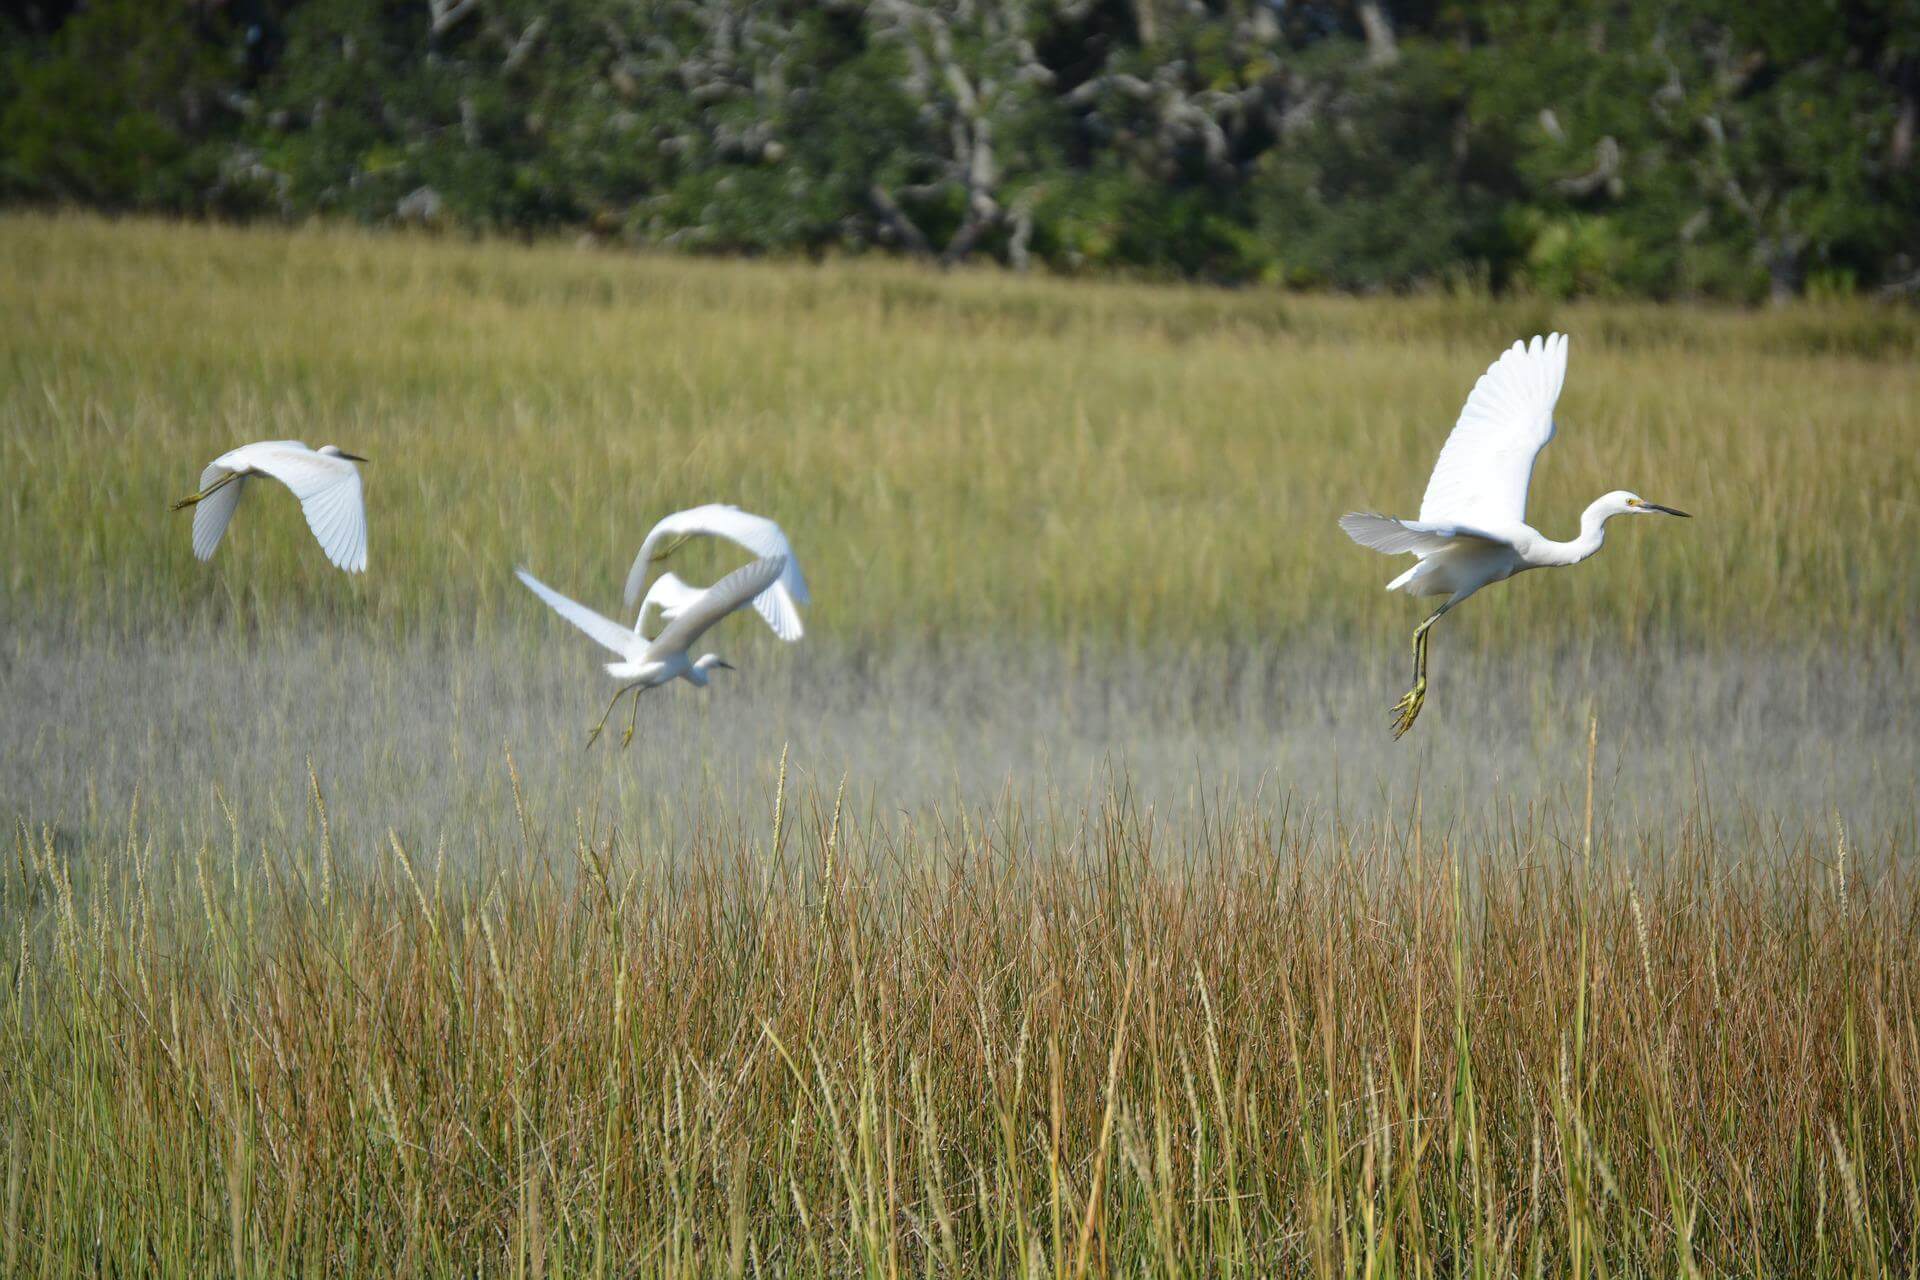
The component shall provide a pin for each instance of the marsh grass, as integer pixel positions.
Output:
(1059, 908)
(1005, 1041)
(960, 457)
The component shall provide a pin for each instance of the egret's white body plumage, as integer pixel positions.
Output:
(1473, 529)
(648, 664)
(778, 604)
(325, 480)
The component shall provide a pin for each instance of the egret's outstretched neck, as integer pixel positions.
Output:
(1593, 531)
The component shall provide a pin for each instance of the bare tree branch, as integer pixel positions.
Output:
(896, 219)
(1383, 50)
(523, 47)
(446, 14)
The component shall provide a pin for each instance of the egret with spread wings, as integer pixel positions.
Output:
(1472, 529)
(324, 479)
(778, 604)
(648, 664)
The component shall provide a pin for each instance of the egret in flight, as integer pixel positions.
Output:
(648, 664)
(324, 479)
(1472, 529)
(778, 604)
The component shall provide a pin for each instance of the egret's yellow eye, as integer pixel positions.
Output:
(1635, 502)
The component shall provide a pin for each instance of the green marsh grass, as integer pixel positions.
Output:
(961, 457)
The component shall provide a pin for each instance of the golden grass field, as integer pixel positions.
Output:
(1059, 906)
(961, 456)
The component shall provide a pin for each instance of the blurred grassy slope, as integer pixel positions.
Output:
(957, 457)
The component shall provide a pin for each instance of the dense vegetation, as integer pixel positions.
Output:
(1731, 148)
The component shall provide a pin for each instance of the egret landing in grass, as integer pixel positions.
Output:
(778, 604)
(1473, 528)
(648, 664)
(324, 479)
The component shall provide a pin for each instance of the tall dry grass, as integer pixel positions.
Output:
(1007, 1041)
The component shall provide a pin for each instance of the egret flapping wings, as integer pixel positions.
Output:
(1482, 474)
(778, 604)
(716, 602)
(604, 630)
(648, 664)
(1473, 528)
(325, 480)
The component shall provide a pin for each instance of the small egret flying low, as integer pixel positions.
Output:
(778, 604)
(1472, 529)
(324, 479)
(648, 664)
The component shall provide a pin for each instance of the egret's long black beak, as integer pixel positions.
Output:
(1669, 511)
(353, 457)
(725, 665)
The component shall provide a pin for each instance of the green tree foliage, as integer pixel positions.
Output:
(1732, 148)
(112, 107)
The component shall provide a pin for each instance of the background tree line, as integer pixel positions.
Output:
(1726, 148)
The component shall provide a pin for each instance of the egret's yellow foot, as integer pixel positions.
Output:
(1407, 710)
(632, 722)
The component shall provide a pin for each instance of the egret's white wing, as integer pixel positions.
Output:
(670, 595)
(758, 534)
(715, 603)
(776, 605)
(247, 456)
(602, 628)
(1393, 536)
(213, 512)
(329, 492)
(1482, 475)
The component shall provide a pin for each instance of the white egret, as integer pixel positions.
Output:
(324, 479)
(778, 604)
(1472, 529)
(648, 664)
